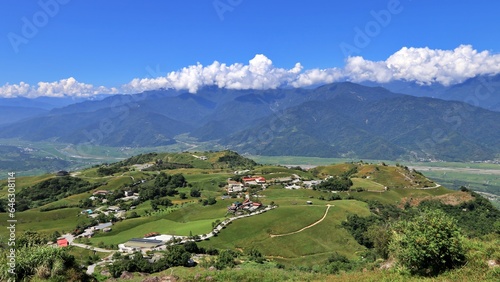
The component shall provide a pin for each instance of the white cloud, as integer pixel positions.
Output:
(258, 74)
(61, 88)
(421, 65)
(424, 66)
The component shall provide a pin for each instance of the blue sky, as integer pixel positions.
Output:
(110, 43)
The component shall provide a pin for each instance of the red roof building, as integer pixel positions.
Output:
(62, 242)
(101, 192)
(258, 180)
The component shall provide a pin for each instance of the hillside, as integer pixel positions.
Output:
(394, 128)
(302, 220)
(334, 120)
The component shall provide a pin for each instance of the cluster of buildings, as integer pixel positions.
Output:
(236, 186)
(296, 182)
(289, 182)
(246, 205)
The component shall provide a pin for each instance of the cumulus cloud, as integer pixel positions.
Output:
(420, 65)
(425, 66)
(61, 88)
(258, 74)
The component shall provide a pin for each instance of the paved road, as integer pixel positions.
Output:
(71, 238)
(91, 268)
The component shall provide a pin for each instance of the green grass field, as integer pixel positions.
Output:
(320, 240)
(82, 255)
(137, 228)
(44, 222)
(367, 184)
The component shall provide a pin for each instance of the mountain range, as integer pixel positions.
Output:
(335, 120)
(481, 91)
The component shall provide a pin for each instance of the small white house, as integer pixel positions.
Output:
(234, 186)
(293, 186)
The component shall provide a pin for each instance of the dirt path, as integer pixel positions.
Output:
(428, 188)
(309, 226)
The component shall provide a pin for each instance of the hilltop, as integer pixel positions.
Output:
(292, 218)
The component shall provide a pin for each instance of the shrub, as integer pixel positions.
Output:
(429, 244)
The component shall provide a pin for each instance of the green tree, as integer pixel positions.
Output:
(42, 263)
(154, 204)
(86, 203)
(211, 201)
(380, 237)
(226, 259)
(195, 193)
(30, 239)
(255, 255)
(177, 256)
(336, 183)
(54, 236)
(428, 244)
(191, 247)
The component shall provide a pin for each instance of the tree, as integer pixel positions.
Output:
(30, 239)
(255, 255)
(226, 259)
(380, 237)
(334, 197)
(133, 215)
(55, 235)
(86, 203)
(357, 226)
(336, 183)
(428, 244)
(177, 256)
(191, 247)
(42, 263)
(195, 193)
(211, 201)
(154, 204)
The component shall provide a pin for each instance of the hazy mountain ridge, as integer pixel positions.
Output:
(334, 120)
(481, 91)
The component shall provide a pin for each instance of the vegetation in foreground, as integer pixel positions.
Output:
(380, 216)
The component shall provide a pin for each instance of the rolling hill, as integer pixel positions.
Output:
(305, 231)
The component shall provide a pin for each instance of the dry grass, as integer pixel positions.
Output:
(453, 199)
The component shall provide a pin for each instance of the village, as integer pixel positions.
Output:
(243, 187)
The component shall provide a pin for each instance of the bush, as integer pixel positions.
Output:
(255, 255)
(195, 193)
(226, 259)
(334, 197)
(429, 244)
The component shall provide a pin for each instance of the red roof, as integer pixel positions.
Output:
(62, 242)
(258, 179)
